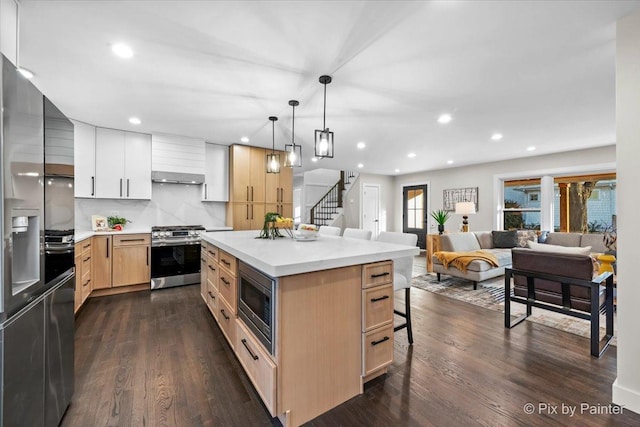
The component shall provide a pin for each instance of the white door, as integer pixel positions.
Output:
(137, 166)
(109, 163)
(371, 209)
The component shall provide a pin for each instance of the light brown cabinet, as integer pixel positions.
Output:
(77, 299)
(254, 191)
(101, 252)
(82, 258)
(131, 260)
(377, 317)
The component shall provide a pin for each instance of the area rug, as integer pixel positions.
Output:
(490, 295)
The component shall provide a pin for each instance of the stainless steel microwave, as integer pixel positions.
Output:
(256, 303)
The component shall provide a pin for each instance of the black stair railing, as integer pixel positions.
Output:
(323, 211)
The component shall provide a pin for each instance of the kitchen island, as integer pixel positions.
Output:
(332, 323)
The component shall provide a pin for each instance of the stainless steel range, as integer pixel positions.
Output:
(175, 255)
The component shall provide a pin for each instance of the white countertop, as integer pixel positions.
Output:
(284, 256)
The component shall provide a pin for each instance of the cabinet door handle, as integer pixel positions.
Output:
(380, 298)
(253, 356)
(373, 276)
(380, 341)
(224, 314)
(251, 211)
(206, 196)
(252, 195)
(225, 281)
(93, 185)
(120, 187)
(247, 212)
(107, 242)
(127, 187)
(147, 255)
(247, 194)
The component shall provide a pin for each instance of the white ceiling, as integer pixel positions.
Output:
(541, 73)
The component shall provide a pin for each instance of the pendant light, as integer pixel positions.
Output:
(293, 152)
(273, 159)
(324, 138)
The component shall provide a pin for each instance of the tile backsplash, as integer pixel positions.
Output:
(170, 204)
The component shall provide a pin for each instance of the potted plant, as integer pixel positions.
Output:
(440, 216)
(117, 222)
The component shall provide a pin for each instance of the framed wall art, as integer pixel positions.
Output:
(454, 195)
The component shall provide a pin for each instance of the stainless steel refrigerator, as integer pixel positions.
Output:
(36, 309)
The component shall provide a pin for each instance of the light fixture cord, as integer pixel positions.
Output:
(273, 137)
(17, 2)
(324, 111)
(293, 129)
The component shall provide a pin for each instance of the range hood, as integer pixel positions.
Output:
(177, 177)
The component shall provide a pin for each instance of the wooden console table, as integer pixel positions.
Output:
(433, 245)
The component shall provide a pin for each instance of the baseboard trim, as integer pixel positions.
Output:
(120, 290)
(627, 398)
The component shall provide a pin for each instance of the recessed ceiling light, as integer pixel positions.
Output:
(25, 73)
(531, 148)
(361, 145)
(496, 136)
(397, 170)
(244, 139)
(449, 162)
(360, 165)
(411, 155)
(122, 50)
(314, 159)
(134, 120)
(445, 118)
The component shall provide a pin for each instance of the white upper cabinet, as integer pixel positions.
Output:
(216, 173)
(123, 165)
(84, 153)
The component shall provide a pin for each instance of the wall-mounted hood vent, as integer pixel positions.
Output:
(177, 177)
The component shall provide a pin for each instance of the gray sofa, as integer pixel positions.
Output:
(479, 270)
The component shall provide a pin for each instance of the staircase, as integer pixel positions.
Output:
(330, 205)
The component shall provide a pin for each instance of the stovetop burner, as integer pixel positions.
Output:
(177, 227)
(174, 232)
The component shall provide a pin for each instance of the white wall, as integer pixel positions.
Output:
(170, 204)
(8, 10)
(482, 176)
(626, 389)
(353, 201)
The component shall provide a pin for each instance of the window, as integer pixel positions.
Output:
(585, 203)
(522, 204)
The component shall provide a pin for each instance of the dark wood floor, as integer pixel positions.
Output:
(159, 359)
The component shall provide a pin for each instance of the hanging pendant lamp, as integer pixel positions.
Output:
(324, 138)
(273, 159)
(293, 152)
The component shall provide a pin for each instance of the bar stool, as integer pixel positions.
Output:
(357, 233)
(402, 272)
(329, 230)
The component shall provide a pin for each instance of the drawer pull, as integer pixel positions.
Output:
(132, 240)
(211, 267)
(225, 281)
(224, 314)
(227, 263)
(87, 282)
(88, 245)
(211, 295)
(244, 342)
(86, 259)
(212, 253)
(380, 298)
(374, 276)
(380, 341)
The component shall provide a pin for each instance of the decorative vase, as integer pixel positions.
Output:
(440, 228)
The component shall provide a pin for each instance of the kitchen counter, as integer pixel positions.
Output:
(285, 256)
(83, 235)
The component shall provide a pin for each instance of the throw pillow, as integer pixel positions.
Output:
(544, 247)
(505, 239)
(525, 236)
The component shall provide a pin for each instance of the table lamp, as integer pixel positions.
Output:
(465, 209)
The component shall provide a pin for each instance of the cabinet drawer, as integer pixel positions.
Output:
(258, 365)
(376, 274)
(86, 287)
(131, 239)
(212, 300)
(377, 349)
(212, 253)
(227, 321)
(227, 288)
(227, 261)
(212, 274)
(84, 246)
(86, 264)
(377, 307)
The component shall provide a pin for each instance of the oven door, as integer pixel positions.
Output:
(175, 265)
(58, 263)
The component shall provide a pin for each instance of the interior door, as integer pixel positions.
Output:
(414, 212)
(371, 209)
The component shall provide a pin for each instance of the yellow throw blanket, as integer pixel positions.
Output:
(461, 260)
